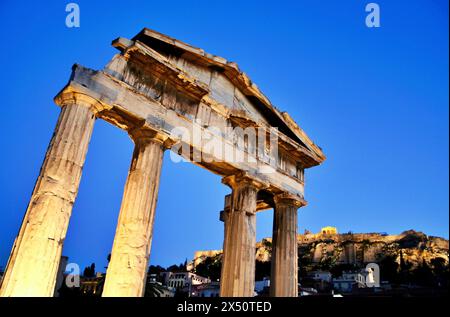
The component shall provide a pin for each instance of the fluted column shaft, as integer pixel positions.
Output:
(284, 275)
(238, 263)
(127, 269)
(35, 257)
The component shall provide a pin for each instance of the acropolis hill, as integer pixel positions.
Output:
(354, 248)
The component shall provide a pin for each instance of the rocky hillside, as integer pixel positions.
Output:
(333, 249)
(414, 247)
(410, 258)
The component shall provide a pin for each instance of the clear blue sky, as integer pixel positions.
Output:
(376, 101)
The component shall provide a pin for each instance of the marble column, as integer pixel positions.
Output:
(127, 269)
(238, 263)
(35, 257)
(284, 275)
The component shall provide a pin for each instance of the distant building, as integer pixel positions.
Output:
(307, 291)
(260, 286)
(211, 289)
(328, 230)
(349, 281)
(181, 280)
(154, 288)
(320, 276)
(92, 285)
(153, 278)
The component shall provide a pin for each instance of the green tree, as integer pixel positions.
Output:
(155, 269)
(176, 268)
(89, 271)
(338, 269)
(405, 270)
(389, 269)
(262, 270)
(422, 275)
(210, 268)
(441, 272)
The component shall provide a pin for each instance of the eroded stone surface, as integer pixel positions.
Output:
(155, 84)
(34, 261)
(126, 274)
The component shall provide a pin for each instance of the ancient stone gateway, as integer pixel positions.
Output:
(165, 93)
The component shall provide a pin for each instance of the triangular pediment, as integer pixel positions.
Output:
(227, 85)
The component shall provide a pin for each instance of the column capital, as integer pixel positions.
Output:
(141, 134)
(289, 199)
(71, 97)
(243, 179)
